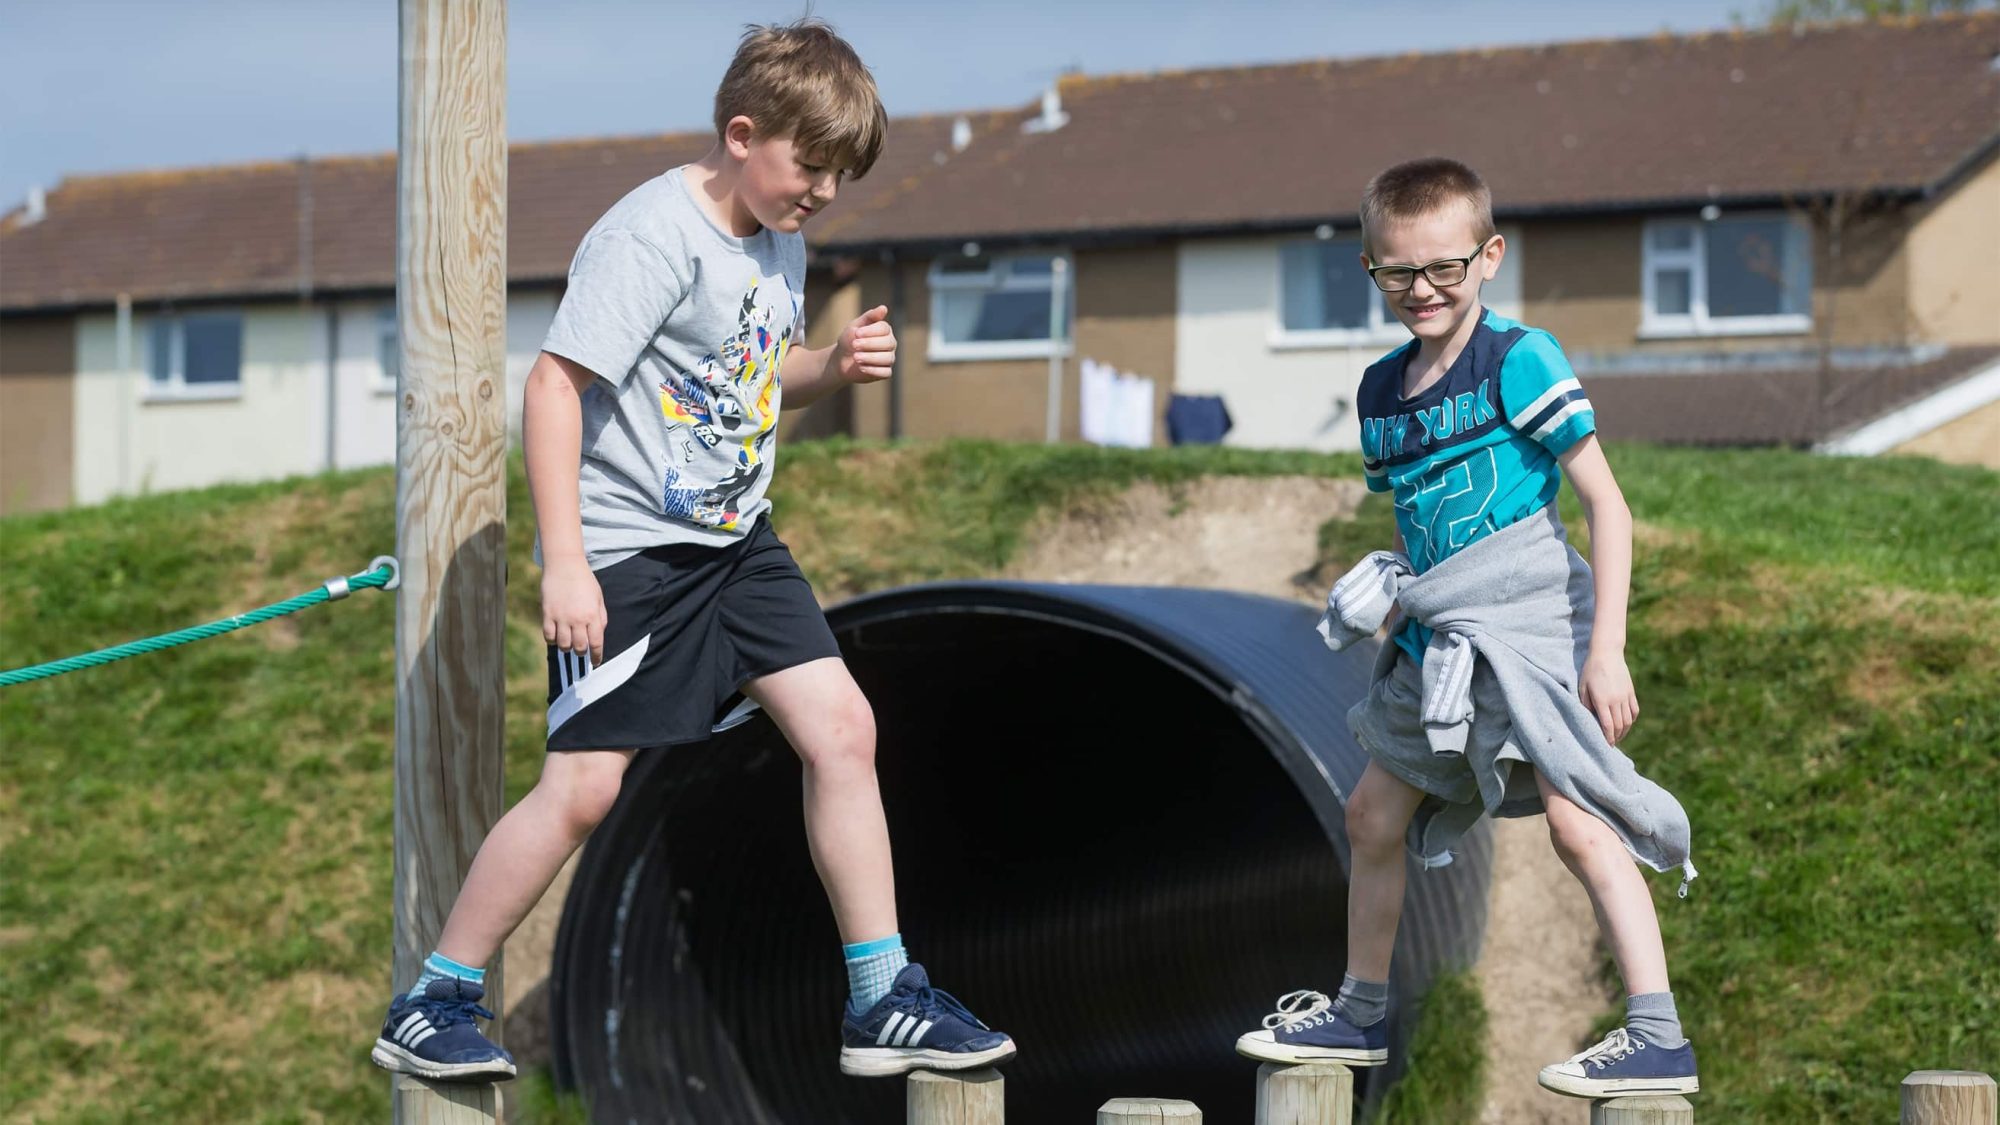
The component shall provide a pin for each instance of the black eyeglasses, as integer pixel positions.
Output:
(1443, 273)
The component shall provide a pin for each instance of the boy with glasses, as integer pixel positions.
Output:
(1504, 689)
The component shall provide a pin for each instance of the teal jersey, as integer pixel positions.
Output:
(1475, 451)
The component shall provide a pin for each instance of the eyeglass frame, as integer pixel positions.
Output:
(1464, 264)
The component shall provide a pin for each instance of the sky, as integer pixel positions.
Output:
(92, 86)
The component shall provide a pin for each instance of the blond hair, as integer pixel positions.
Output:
(804, 82)
(1416, 188)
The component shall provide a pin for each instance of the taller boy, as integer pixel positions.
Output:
(1506, 690)
(650, 434)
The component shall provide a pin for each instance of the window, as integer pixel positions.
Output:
(1325, 297)
(196, 355)
(388, 351)
(999, 306)
(1736, 274)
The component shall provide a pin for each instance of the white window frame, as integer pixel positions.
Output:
(385, 335)
(1694, 259)
(175, 387)
(993, 279)
(1382, 327)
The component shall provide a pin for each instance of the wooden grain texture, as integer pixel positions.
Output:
(1669, 1109)
(966, 1097)
(1306, 1094)
(1148, 1111)
(445, 1103)
(451, 442)
(1950, 1097)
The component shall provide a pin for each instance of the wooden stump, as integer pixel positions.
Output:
(1655, 1109)
(420, 1102)
(966, 1097)
(1950, 1097)
(1148, 1111)
(1306, 1094)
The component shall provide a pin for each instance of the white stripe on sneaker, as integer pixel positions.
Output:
(917, 1037)
(417, 1040)
(403, 1029)
(888, 1029)
(903, 1037)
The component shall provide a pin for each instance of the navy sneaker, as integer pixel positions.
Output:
(433, 1036)
(1308, 1028)
(1622, 1063)
(917, 1027)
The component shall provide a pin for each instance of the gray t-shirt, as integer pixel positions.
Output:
(686, 327)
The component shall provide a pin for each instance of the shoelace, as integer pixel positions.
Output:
(1609, 1050)
(444, 1013)
(933, 1002)
(1295, 1008)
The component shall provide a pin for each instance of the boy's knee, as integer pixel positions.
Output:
(584, 795)
(846, 737)
(1371, 831)
(1577, 835)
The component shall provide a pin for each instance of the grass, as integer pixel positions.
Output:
(1445, 1079)
(194, 859)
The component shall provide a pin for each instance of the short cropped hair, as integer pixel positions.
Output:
(1416, 188)
(804, 82)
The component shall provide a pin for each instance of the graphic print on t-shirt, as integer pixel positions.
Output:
(730, 402)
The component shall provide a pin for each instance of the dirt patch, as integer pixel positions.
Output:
(1220, 533)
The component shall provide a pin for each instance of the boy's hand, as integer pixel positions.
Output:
(573, 614)
(866, 351)
(1607, 690)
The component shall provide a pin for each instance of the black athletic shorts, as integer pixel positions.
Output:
(687, 626)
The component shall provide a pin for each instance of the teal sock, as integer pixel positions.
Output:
(439, 967)
(871, 968)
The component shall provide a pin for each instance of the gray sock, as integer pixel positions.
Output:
(1363, 1002)
(1651, 1017)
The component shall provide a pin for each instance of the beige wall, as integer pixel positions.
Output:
(1583, 284)
(1124, 317)
(1971, 439)
(37, 401)
(1954, 255)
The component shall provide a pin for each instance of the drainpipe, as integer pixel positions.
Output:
(1058, 286)
(895, 317)
(125, 391)
(332, 382)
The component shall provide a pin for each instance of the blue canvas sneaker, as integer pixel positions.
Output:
(433, 1036)
(917, 1027)
(1308, 1028)
(1622, 1063)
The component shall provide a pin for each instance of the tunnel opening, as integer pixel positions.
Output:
(1109, 842)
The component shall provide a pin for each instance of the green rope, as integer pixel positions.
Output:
(382, 574)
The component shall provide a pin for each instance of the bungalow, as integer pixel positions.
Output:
(1749, 237)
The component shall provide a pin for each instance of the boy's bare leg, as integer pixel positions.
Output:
(1378, 818)
(830, 725)
(525, 851)
(1618, 891)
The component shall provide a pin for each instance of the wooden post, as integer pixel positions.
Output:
(965, 1097)
(445, 1103)
(1950, 1097)
(1148, 1111)
(1306, 1094)
(1669, 1109)
(451, 496)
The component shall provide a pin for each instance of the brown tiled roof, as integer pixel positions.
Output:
(1747, 115)
(234, 231)
(1767, 407)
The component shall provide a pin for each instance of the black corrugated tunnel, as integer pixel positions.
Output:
(1118, 837)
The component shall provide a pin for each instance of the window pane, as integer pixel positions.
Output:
(989, 316)
(160, 366)
(1671, 290)
(1672, 236)
(1753, 268)
(958, 263)
(1039, 266)
(388, 346)
(1323, 285)
(214, 348)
